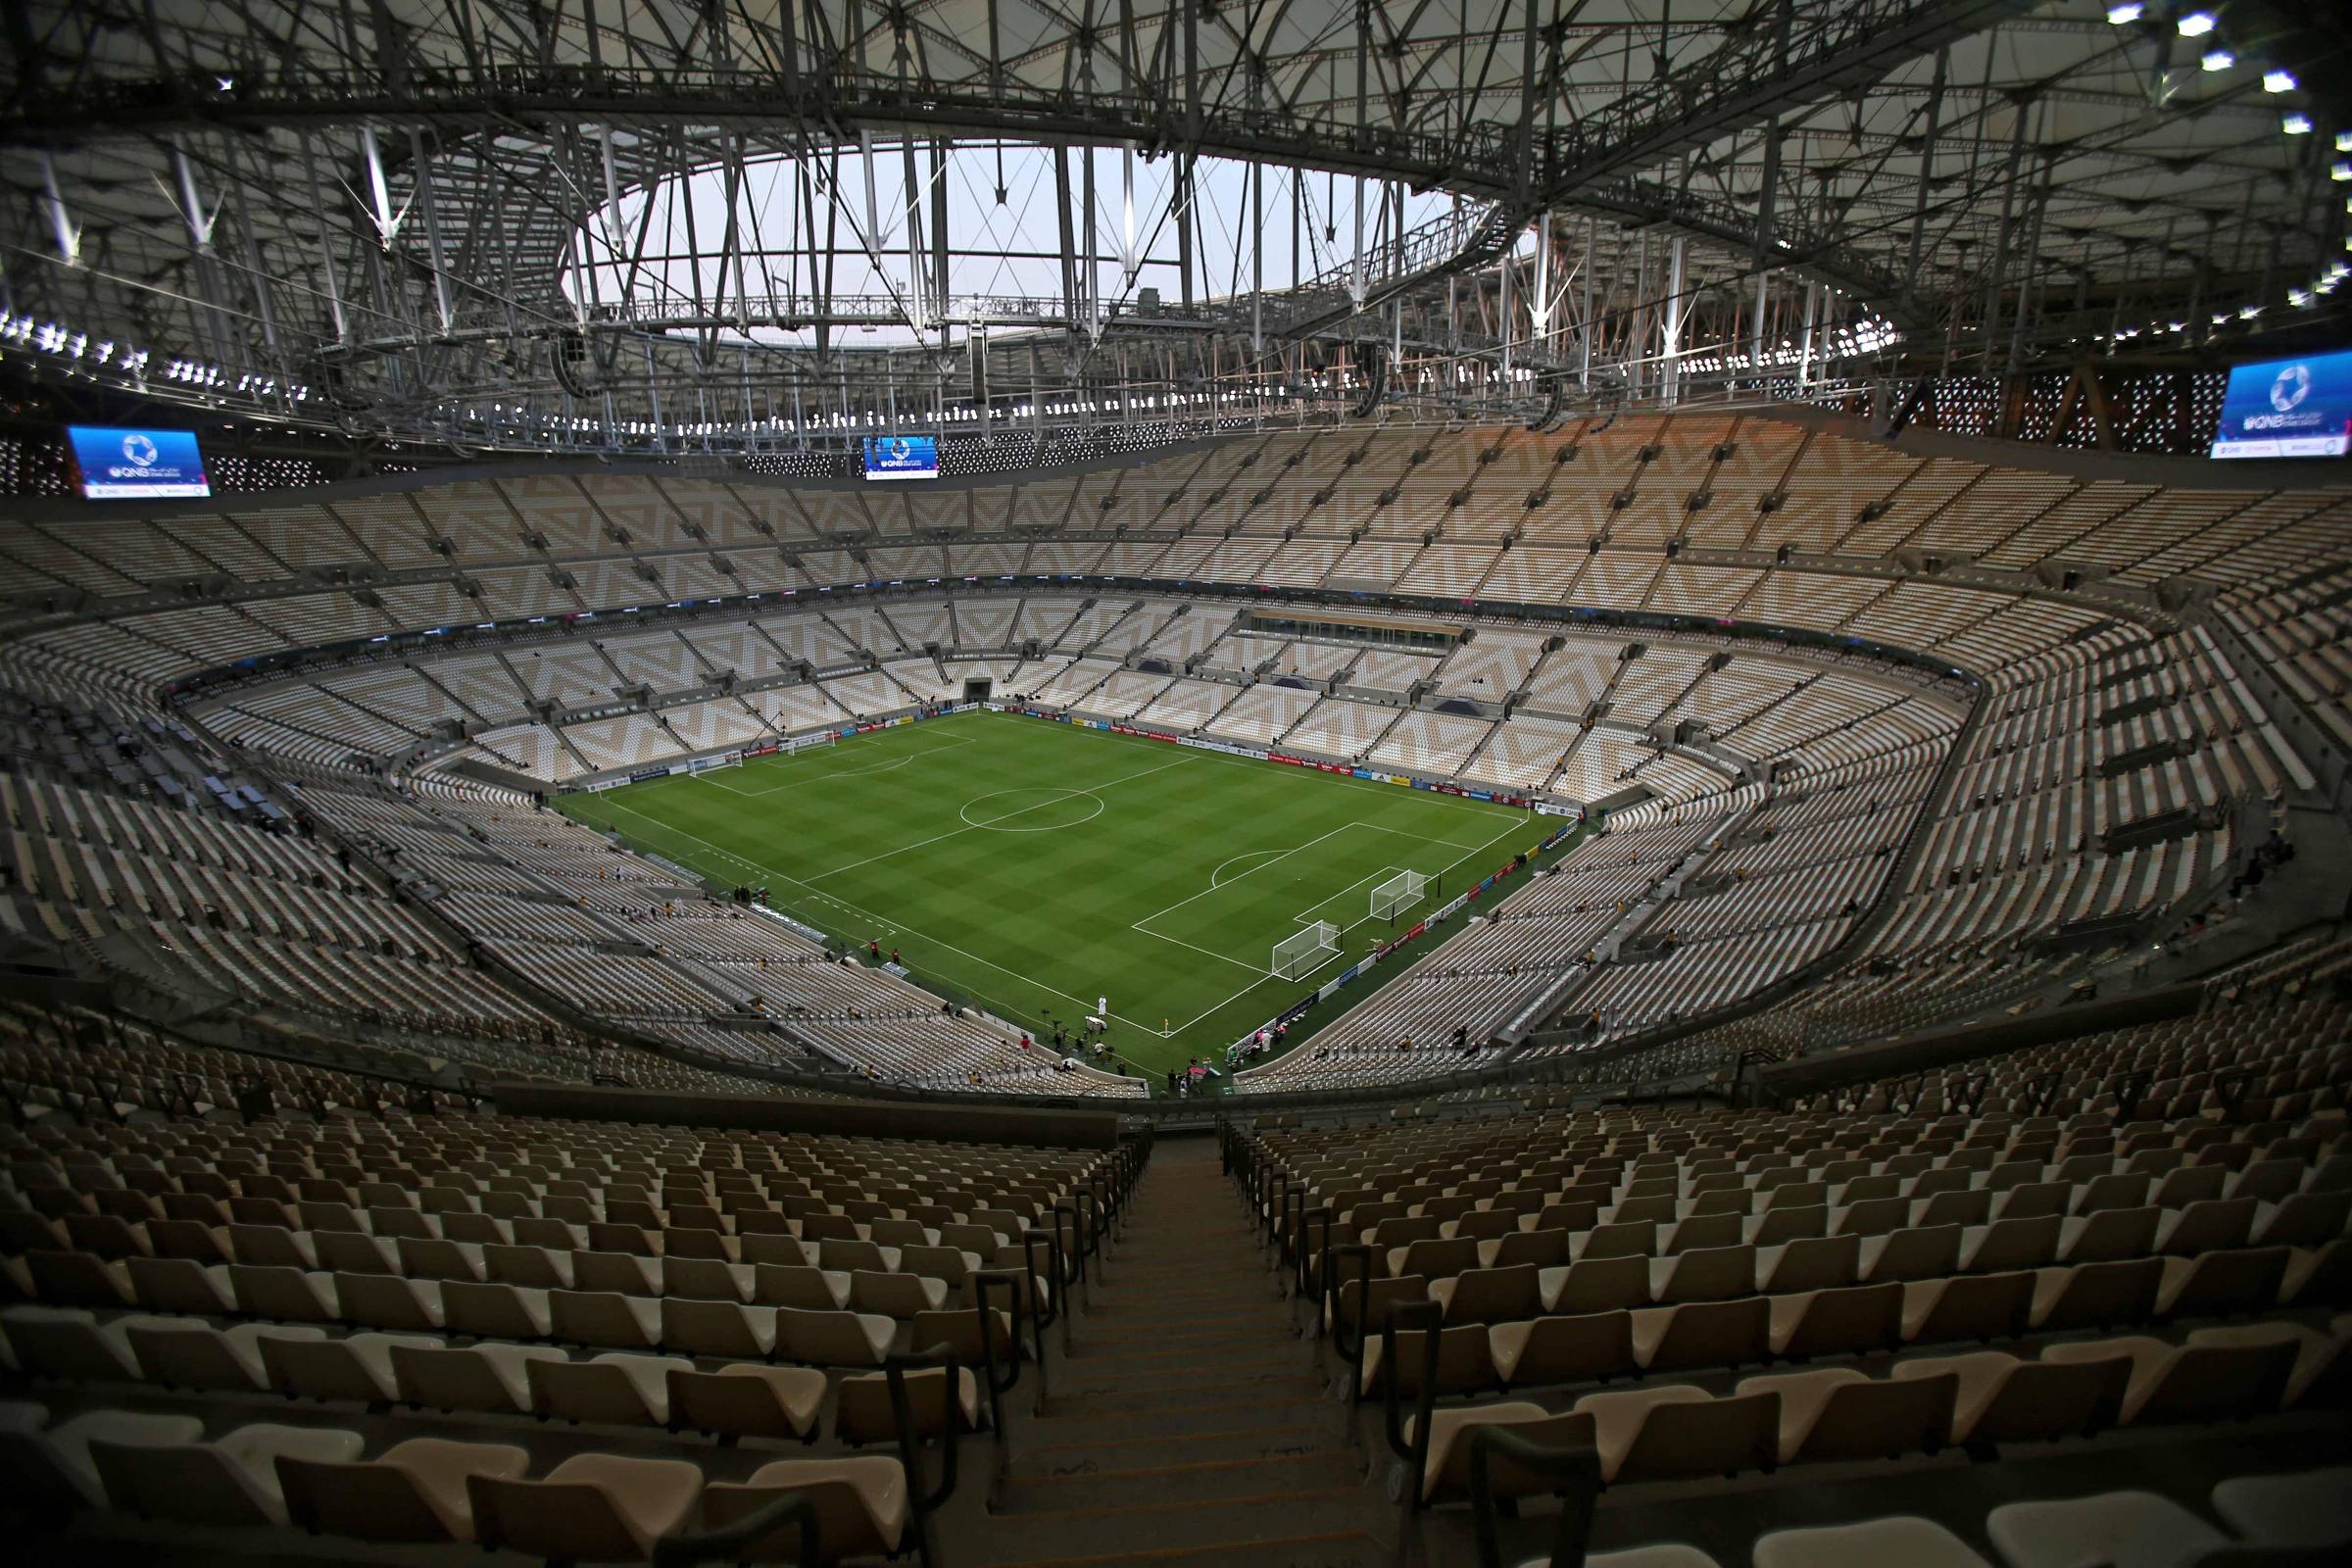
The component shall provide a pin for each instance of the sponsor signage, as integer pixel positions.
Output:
(126, 465)
(2287, 409)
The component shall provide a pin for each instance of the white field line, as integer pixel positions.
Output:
(1343, 931)
(885, 926)
(1059, 795)
(799, 778)
(1191, 754)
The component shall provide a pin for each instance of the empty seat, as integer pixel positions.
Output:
(2001, 1398)
(52, 1469)
(1873, 1543)
(2308, 1509)
(745, 1400)
(231, 1482)
(1678, 1431)
(1841, 1413)
(2120, 1529)
(593, 1506)
(615, 1388)
(860, 1503)
(2208, 1382)
(415, 1490)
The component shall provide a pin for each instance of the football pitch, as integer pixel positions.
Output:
(1034, 867)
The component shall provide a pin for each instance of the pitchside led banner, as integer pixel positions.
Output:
(902, 457)
(137, 464)
(2287, 409)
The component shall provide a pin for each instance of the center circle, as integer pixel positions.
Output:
(1035, 809)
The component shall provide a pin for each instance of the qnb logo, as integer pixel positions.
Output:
(141, 452)
(2291, 387)
(899, 450)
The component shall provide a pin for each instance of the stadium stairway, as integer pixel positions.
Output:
(1188, 1426)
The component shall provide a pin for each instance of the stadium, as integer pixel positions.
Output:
(1006, 785)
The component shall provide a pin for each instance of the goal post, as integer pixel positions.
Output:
(1305, 951)
(1397, 893)
(712, 765)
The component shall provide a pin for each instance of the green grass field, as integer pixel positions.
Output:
(1033, 867)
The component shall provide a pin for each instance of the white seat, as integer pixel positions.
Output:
(231, 1482)
(1873, 1544)
(2310, 1508)
(2118, 1529)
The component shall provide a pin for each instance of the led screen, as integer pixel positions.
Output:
(902, 457)
(119, 464)
(2287, 409)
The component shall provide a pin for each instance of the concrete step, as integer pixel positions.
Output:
(1145, 1530)
(1074, 1480)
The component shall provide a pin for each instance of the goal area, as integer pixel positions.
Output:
(712, 765)
(1397, 893)
(1305, 951)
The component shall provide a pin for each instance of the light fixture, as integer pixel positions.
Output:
(2343, 142)
(2340, 171)
(2218, 58)
(2295, 124)
(2127, 13)
(2275, 81)
(2196, 24)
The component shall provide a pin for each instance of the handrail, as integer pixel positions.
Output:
(1577, 1470)
(1352, 1353)
(1423, 1315)
(1070, 1256)
(1043, 1314)
(733, 1543)
(920, 1497)
(1313, 1270)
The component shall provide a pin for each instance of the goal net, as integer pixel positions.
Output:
(1307, 950)
(1397, 893)
(708, 764)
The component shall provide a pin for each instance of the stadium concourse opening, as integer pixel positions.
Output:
(1042, 871)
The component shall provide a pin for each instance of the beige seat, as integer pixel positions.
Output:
(1490, 1295)
(1873, 1544)
(1999, 1398)
(2322, 1369)
(182, 1354)
(1702, 1334)
(1914, 1252)
(1841, 1413)
(1447, 1472)
(717, 1328)
(231, 1482)
(607, 1317)
(492, 1378)
(1814, 1263)
(896, 1295)
(1706, 1274)
(356, 1367)
(1968, 1306)
(2219, 1283)
(616, 1387)
(2118, 1529)
(52, 1468)
(288, 1294)
(2310, 1509)
(833, 1339)
(68, 1343)
(707, 1279)
(860, 1503)
(182, 1285)
(744, 1400)
(1677, 1431)
(863, 1414)
(593, 1506)
(1596, 1285)
(2095, 1295)
(1591, 1346)
(2208, 1382)
(388, 1301)
(416, 1490)
(497, 1312)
